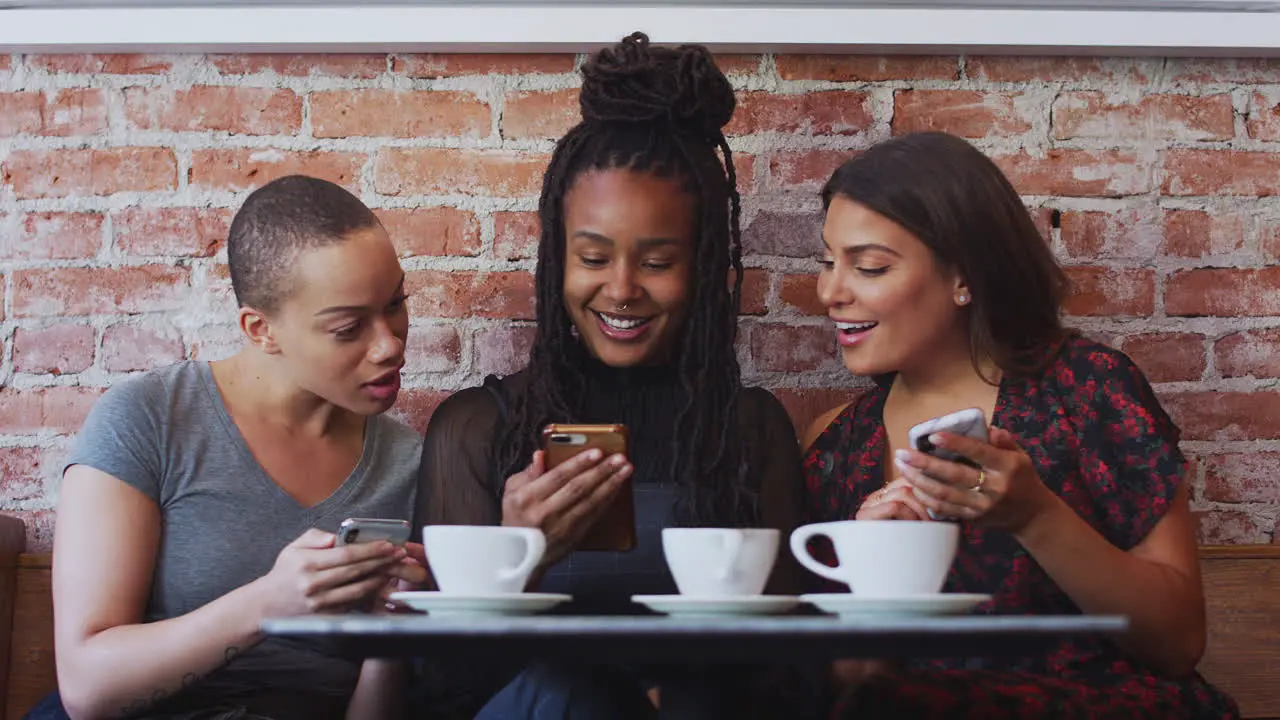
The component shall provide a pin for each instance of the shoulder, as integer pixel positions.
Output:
(479, 408)
(152, 393)
(1091, 371)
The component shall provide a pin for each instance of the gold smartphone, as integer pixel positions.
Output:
(615, 530)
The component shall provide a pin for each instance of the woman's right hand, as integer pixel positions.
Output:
(312, 575)
(895, 501)
(565, 501)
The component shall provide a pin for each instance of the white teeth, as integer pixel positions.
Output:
(854, 327)
(618, 323)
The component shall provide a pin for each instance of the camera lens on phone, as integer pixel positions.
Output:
(351, 536)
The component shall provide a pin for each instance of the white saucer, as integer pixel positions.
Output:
(731, 606)
(437, 603)
(850, 605)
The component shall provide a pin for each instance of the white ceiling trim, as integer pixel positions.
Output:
(1151, 29)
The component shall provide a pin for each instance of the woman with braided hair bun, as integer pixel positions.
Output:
(638, 284)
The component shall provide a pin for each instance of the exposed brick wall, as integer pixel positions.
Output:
(118, 175)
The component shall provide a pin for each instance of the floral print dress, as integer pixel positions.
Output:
(1099, 439)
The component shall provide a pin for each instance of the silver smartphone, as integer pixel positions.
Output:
(970, 422)
(363, 530)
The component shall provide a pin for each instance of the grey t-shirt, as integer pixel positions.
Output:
(167, 433)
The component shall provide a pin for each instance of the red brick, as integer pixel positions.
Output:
(301, 65)
(73, 111)
(1106, 291)
(102, 64)
(62, 173)
(966, 113)
(793, 348)
(1152, 117)
(58, 349)
(1130, 233)
(235, 110)
(744, 168)
(395, 113)
(1224, 416)
(245, 168)
(89, 291)
(214, 342)
(1020, 69)
(801, 292)
(502, 350)
(1194, 234)
(1168, 357)
(39, 525)
(53, 236)
(432, 231)
(866, 68)
(23, 473)
(181, 231)
(1224, 292)
(1270, 242)
(1224, 70)
(805, 405)
(755, 292)
(414, 407)
(441, 293)
(59, 409)
(1249, 352)
(438, 171)
(516, 235)
(128, 348)
(1242, 477)
(1229, 527)
(432, 349)
(807, 171)
(1221, 172)
(1077, 173)
(788, 234)
(540, 114)
(5, 62)
(815, 113)
(454, 64)
(1263, 122)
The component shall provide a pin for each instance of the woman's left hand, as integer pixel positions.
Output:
(1005, 492)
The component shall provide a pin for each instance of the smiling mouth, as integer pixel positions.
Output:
(622, 327)
(855, 327)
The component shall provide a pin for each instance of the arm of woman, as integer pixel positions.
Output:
(1156, 583)
(1141, 560)
(108, 662)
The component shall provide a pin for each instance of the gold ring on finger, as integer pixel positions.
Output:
(982, 480)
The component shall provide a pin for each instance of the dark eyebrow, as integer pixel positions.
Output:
(864, 247)
(339, 309)
(645, 243)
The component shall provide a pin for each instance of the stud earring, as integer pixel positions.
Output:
(962, 299)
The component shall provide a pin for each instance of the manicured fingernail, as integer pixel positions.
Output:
(617, 461)
(594, 454)
(936, 439)
(902, 456)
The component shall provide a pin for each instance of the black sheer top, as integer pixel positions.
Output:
(460, 484)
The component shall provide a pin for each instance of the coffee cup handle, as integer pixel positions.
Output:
(799, 539)
(535, 545)
(731, 544)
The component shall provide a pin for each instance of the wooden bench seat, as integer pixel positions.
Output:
(1242, 589)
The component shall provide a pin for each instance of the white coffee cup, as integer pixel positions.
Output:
(883, 558)
(720, 562)
(482, 559)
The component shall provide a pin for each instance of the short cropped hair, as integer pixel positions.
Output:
(277, 222)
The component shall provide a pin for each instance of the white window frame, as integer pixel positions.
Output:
(1241, 28)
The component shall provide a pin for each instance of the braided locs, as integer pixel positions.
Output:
(654, 110)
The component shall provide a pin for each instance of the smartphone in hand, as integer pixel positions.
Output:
(971, 422)
(363, 530)
(615, 530)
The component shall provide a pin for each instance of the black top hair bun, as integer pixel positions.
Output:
(635, 82)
